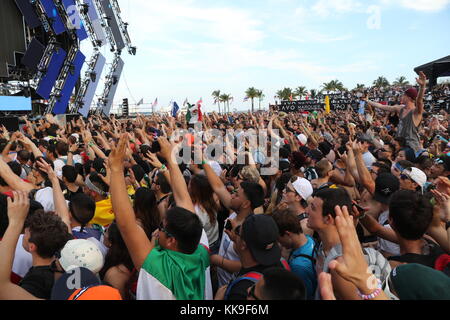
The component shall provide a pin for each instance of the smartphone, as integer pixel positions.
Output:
(228, 225)
(360, 209)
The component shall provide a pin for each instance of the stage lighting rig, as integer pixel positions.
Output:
(46, 21)
(83, 9)
(123, 26)
(89, 84)
(104, 22)
(111, 83)
(63, 75)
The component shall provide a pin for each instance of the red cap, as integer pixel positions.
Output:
(412, 93)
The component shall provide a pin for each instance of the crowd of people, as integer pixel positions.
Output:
(436, 99)
(357, 206)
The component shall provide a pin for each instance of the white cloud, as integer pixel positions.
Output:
(420, 5)
(325, 8)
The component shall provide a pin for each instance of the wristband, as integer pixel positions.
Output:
(163, 168)
(204, 162)
(373, 295)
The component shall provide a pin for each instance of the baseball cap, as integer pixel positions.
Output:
(82, 284)
(284, 166)
(416, 175)
(315, 155)
(412, 93)
(302, 138)
(414, 281)
(81, 253)
(303, 187)
(385, 186)
(99, 165)
(260, 232)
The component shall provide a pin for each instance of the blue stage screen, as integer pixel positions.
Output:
(52, 13)
(28, 13)
(90, 92)
(48, 81)
(10, 103)
(74, 15)
(61, 105)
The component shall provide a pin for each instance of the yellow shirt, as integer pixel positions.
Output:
(104, 214)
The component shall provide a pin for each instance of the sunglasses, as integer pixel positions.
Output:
(404, 177)
(161, 228)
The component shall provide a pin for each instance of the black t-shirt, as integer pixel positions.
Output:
(39, 282)
(239, 290)
(69, 194)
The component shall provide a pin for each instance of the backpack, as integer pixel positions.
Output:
(378, 264)
(437, 259)
(253, 276)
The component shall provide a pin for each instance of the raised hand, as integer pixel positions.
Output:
(352, 266)
(73, 148)
(18, 207)
(443, 185)
(326, 286)
(44, 166)
(422, 80)
(166, 149)
(443, 203)
(154, 161)
(118, 154)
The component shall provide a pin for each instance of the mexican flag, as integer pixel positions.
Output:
(171, 275)
(194, 113)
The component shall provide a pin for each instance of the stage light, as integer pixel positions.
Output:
(85, 8)
(133, 51)
(114, 80)
(93, 76)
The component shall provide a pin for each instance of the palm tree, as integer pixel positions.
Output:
(401, 81)
(313, 93)
(260, 97)
(252, 93)
(333, 85)
(300, 92)
(216, 96)
(285, 94)
(359, 87)
(226, 98)
(381, 82)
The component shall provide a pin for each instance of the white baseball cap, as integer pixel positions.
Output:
(303, 188)
(81, 253)
(302, 138)
(416, 175)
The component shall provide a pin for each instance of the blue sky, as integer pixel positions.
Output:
(189, 48)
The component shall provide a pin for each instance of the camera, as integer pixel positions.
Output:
(228, 225)
(155, 147)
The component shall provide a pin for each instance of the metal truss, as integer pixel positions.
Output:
(123, 28)
(104, 18)
(63, 75)
(90, 76)
(88, 23)
(110, 80)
